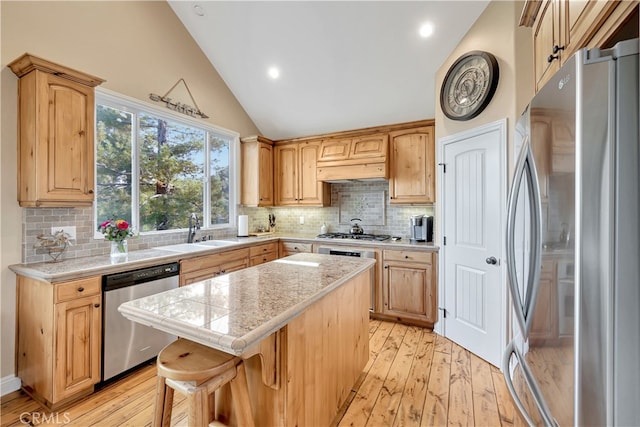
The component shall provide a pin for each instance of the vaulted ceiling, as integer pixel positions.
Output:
(342, 64)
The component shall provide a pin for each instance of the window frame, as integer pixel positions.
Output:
(135, 106)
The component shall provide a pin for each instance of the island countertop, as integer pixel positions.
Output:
(235, 311)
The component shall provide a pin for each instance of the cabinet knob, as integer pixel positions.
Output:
(295, 247)
(96, 305)
(551, 58)
(80, 289)
(90, 191)
(386, 266)
(557, 49)
(406, 257)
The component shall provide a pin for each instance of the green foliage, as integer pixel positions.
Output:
(171, 162)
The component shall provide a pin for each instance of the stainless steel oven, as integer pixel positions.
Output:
(354, 252)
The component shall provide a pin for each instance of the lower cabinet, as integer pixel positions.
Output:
(263, 253)
(544, 324)
(292, 248)
(409, 286)
(207, 266)
(58, 338)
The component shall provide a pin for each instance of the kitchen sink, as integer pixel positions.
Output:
(184, 247)
(216, 243)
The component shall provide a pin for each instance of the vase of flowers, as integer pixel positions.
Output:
(117, 231)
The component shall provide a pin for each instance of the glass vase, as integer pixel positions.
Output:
(119, 249)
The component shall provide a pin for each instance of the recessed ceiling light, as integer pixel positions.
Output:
(426, 30)
(198, 10)
(274, 73)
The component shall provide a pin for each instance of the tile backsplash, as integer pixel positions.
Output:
(395, 221)
(386, 219)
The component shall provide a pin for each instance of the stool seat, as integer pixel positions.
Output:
(185, 360)
(198, 372)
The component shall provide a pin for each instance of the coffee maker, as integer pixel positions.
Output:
(421, 228)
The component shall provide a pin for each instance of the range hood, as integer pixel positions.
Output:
(362, 158)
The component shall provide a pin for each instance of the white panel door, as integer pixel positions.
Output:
(473, 211)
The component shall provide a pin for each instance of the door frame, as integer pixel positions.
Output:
(501, 127)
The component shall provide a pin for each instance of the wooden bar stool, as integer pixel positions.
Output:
(198, 371)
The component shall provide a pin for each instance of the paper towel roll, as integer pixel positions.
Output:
(243, 225)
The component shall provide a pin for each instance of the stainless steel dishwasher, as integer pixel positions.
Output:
(126, 344)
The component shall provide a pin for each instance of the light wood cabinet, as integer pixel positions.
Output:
(295, 176)
(544, 324)
(207, 266)
(292, 248)
(361, 157)
(55, 134)
(257, 171)
(260, 254)
(412, 158)
(561, 27)
(59, 338)
(409, 286)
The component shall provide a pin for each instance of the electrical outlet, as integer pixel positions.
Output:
(301, 220)
(69, 229)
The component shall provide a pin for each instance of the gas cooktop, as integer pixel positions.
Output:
(378, 237)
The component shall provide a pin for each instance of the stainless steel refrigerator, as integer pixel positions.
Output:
(573, 255)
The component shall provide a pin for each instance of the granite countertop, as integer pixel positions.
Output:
(76, 268)
(235, 311)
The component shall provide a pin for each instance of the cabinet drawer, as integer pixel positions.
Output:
(409, 256)
(213, 260)
(77, 289)
(263, 249)
(548, 269)
(289, 248)
(261, 259)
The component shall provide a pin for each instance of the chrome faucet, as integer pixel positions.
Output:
(194, 224)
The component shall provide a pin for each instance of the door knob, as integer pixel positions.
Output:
(492, 260)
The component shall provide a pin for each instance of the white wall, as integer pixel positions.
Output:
(139, 47)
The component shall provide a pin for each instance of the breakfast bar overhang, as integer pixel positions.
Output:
(300, 323)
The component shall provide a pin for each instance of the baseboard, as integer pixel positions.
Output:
(9, 384)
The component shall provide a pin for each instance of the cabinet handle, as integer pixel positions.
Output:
(90, 191)
(556, 49)
(80, 289)
(96, 305)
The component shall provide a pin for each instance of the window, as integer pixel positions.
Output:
(154, 167)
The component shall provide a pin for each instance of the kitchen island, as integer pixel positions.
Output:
(300, 323)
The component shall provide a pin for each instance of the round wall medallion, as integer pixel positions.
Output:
(469, 85)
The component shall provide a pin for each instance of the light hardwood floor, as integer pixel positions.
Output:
(413, 378)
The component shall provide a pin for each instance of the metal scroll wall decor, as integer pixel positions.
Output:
(178, 106)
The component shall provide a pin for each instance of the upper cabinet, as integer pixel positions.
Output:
(295, 180)
(55, 134)
(412, 158)
(561, 27)
(257, 171)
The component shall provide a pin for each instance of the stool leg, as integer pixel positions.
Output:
(163, 404)
(240, 396)
(198, 408)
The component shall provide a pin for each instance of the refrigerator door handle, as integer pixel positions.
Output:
(524, 308)
(531, 384)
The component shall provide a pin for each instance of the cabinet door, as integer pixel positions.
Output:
(77, 347)
(412, 166)
(55, 163)
(546, 35)
(292, 248)
(310, 190)
(581, 20)
(370, 146)
(265, 175)
(543, 326)
(408, 292)
(286, 174)
(332, 150)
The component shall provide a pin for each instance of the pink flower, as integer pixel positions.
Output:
(104, 224)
